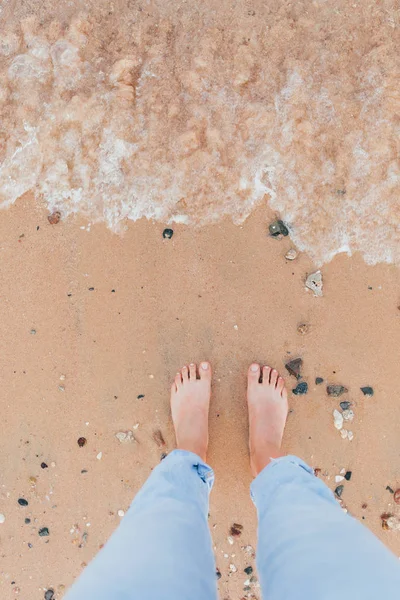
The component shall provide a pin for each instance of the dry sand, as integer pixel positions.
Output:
(224, 293)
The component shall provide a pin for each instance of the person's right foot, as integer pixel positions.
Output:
(268, 409)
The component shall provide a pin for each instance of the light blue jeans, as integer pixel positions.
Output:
(308, 548)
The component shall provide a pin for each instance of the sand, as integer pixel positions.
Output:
(222, 292)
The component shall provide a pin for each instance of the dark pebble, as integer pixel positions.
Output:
(300, 389)
(236, 530)
(163, 455)
(348, 475)
(294, 367)
(367, 391)
(49, 594)
(319, 380)
(248, 570)
(22, 502)
(30, 545)
(247, 588)
(345, 405)
(91, 289)
(44, 532)
(84, 471)
(339, 490)
(278, 228)
(168, 233)
(113, 291)
(81, 442)
(44, 466)
(27, 521)
(336, 390)
(140, 396)
(218, 574)
(389, 489)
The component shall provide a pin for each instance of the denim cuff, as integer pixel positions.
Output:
(279, 470)
(180, 458)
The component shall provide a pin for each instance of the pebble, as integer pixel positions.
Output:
(121, 513)
(54, 218)
(44, 465)
(367, 391)
(158, 438)
(140, 396)
(344, 433)
(339, 478)
(393, 523)
(168, 233)
(27, 521)
(218, 574)
(345, 405)
(232, 568)
(82, 442)
(230, 540)
(49, 594)
(278, 229)
(99, 456)
(319, 380)
(294, 367)
(33, 331)
(22, 502)
(248, 570)
(303, 328)
(291, 254)
(348, 475)
(236, 530)
(314, 283)
(389, 489)
(336, 390)
(125, 437)
(337, 419)
(62, 377)
(2, 518)
(300, 389)
(44, 532)
(396, 496)
(339, 490)
(348, 415)
(350, 435)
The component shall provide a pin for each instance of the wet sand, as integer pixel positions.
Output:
(222, 292)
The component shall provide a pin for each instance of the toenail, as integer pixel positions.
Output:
(204, 366)
(254, 368)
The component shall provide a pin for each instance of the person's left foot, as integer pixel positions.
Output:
(190, 401)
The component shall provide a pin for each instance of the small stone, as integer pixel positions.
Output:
(389, 489)
(396, 496)
(345, 405)
(393, 523)
(339, 490)
(121, 513)
(44, 466)
(158, 438)
(125, 437)
(336, 390)
(350, 435)
(300, 389)
(236, 529)
(168, 233)
(348, 415)
(33, 332)
(62, 377)
(339, 478)
(314, 283)
(2, 518)
(82, 442)
(230, 540)
(303, 328)
(49, 594)
(294, 367)
(232, 568)
(344, 433)
(27, 521)
(218, 574)
(364, 506)
(248, 570)
(22, 502)
(140, 397)
(348, 475)
(278, 229)
(367, 391)
(99, 456)
(44, 532)
(163, 455)
(337, 419)
(54, 218)
(319, 380)
(291, 254)
(61, 388)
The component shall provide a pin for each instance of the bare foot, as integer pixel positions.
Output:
(190, 401)
(268, 409)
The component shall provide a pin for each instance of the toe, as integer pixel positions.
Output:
(273, 377)
(280, 384)
(192, 371)
(185, 373)
(205, 370)
(266, 373)
(254, 373)
(178, 380)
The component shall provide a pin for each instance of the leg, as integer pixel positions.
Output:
(162, 549)
(308, 547)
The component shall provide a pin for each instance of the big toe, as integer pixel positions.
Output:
(205, 370)
(253, 375)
